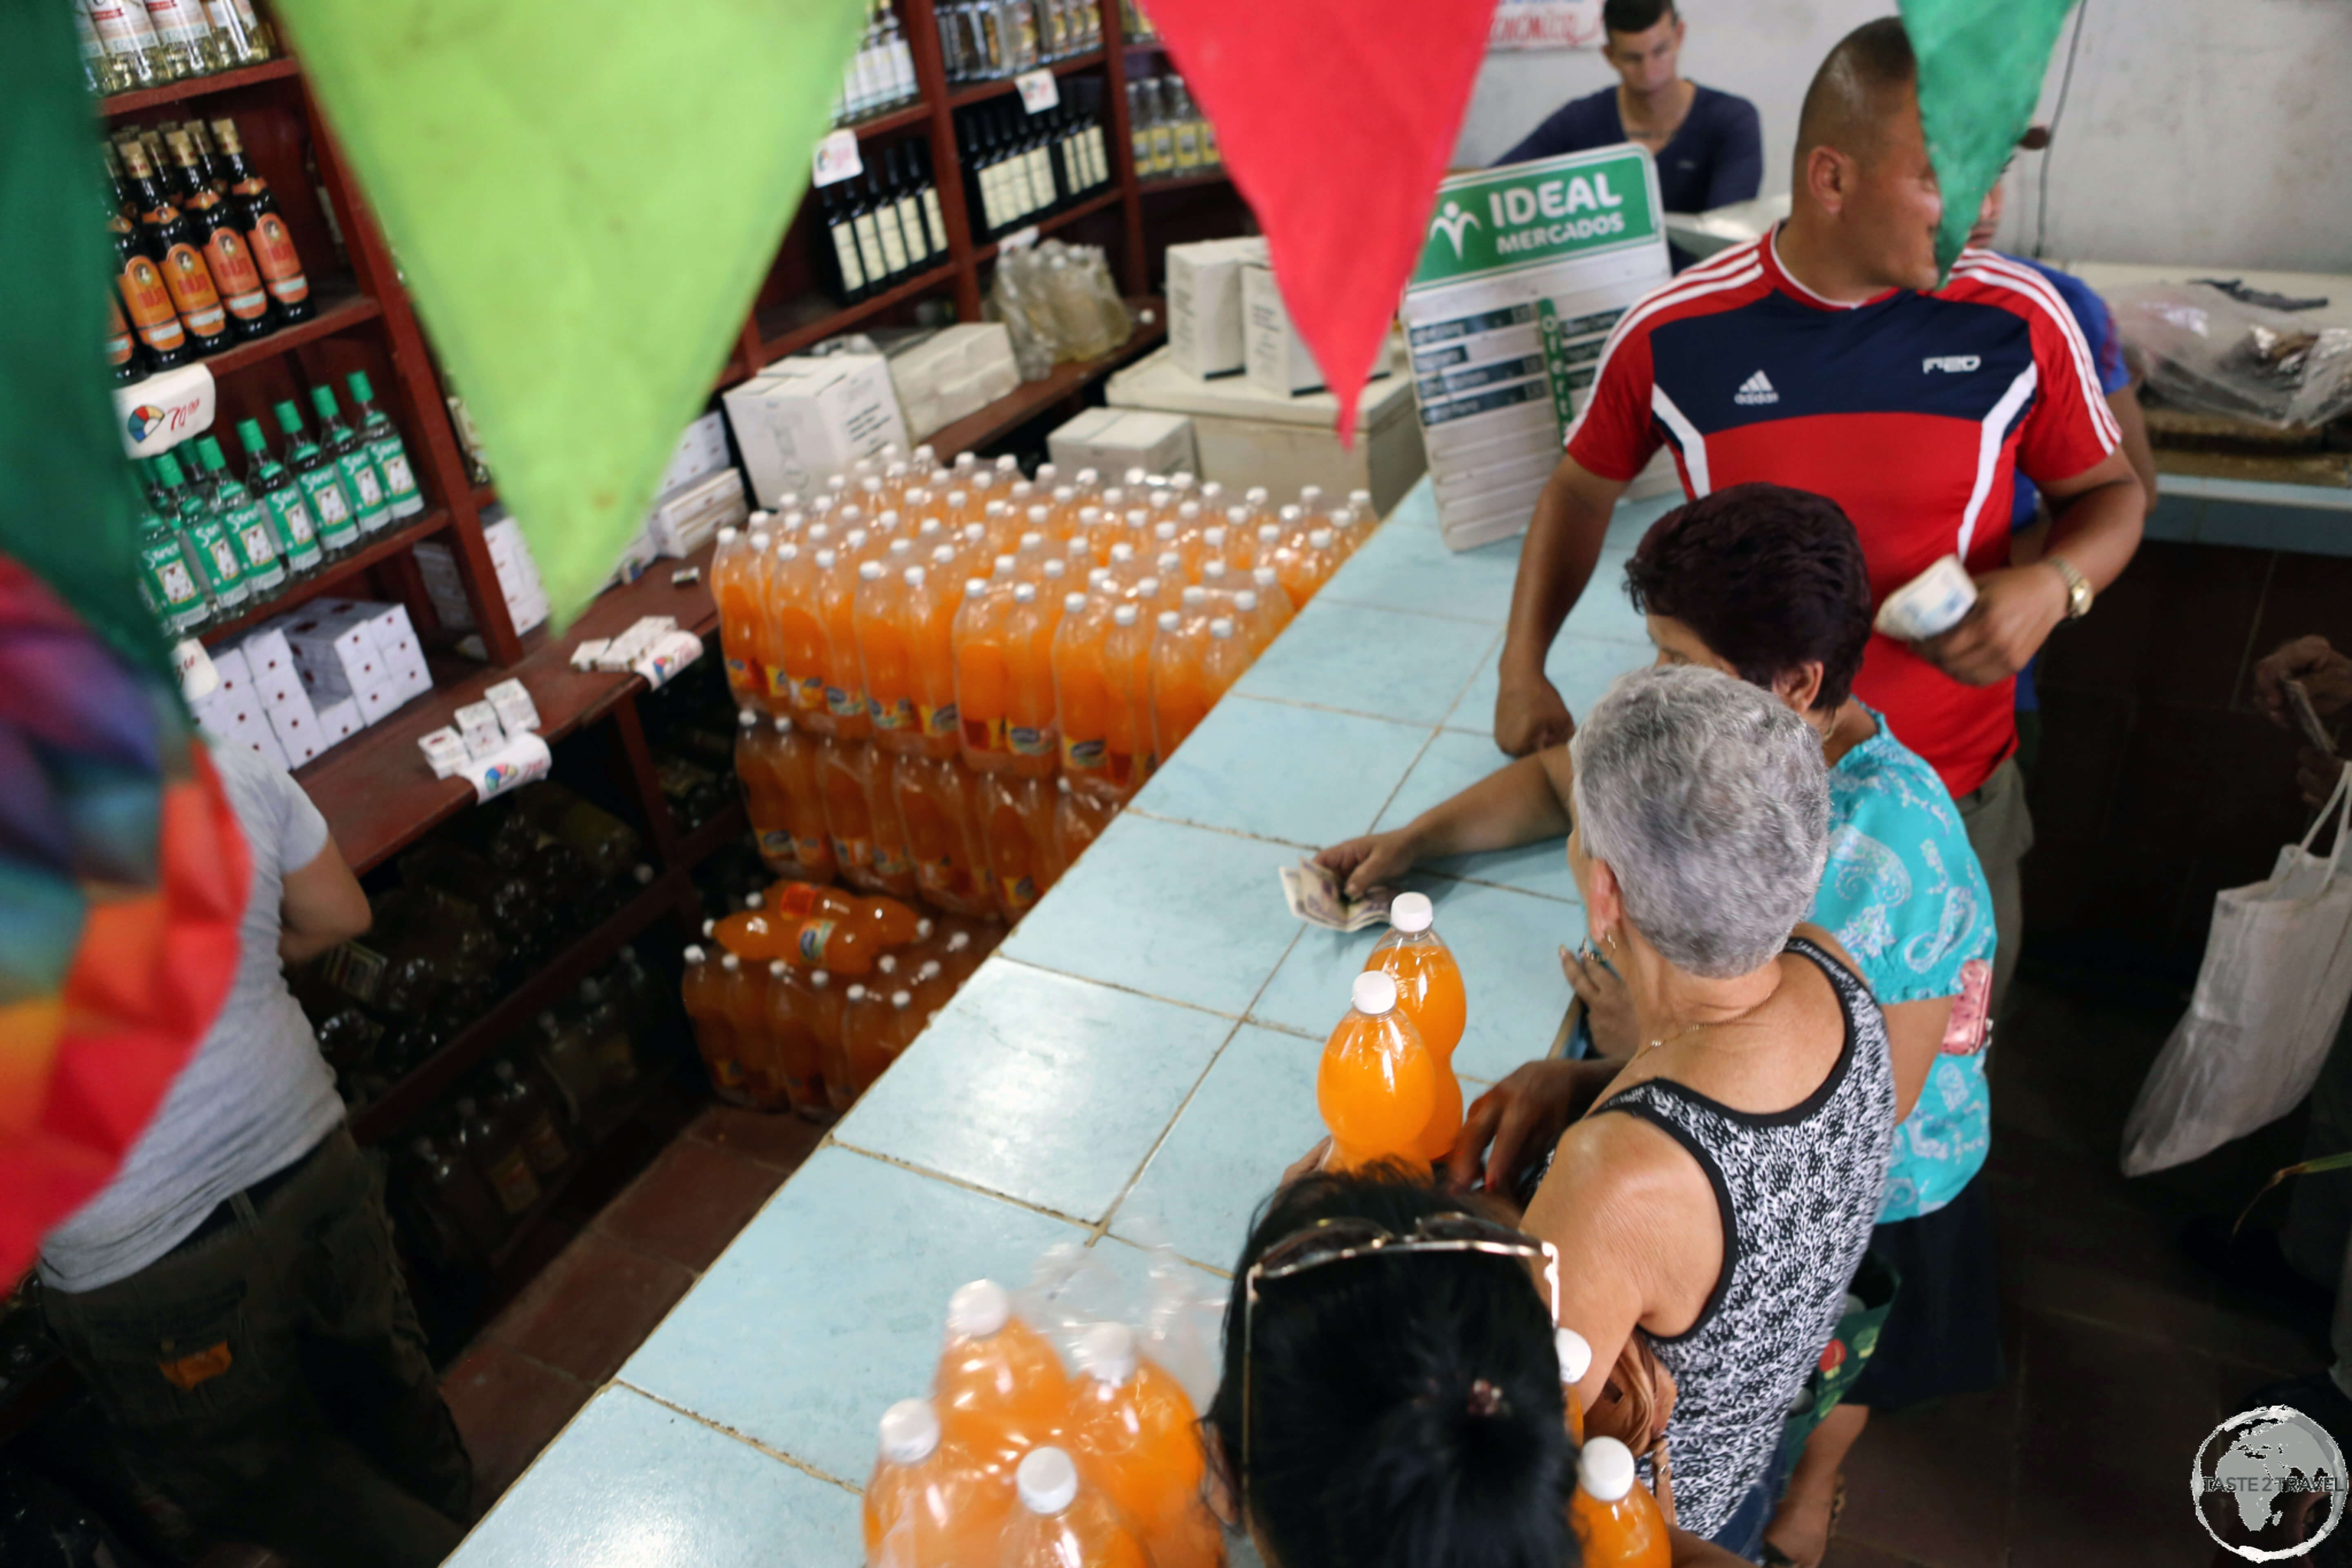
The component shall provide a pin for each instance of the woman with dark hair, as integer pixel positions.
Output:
(1768, 583)
(1391, 1393)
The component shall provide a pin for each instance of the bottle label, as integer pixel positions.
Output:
(780, 850)
(326, 493)
(545, 1147)
(517, 1189)
(362, 477)
(984, 735)
(220, 557)
(235, 276)
(1018, 893)
(843, 704)
(809, 696)
(122, 24)
(149, 303)
(811, 853)
(248, 525)
(938, 723)
(795, 902)
(813, 936)
(1024, 741)
(845, 254)
(745, 674)
(893, 241)
(177, 21)
(293, 518)
(853, 854)
(1083, 756)
(168, 574)
(897, 715)
(943, 879)
(391, 460)
(354, 969)
(117, 335)
(890, 862)
(191, 291)
(273, 250)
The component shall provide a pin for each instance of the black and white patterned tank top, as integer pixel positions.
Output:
(1798, 1191)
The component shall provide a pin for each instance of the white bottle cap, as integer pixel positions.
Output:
(979, 1309)
(959, 942)
(1292, 513)
(1266, 576)
(825, 560)
(731, 963)
(1310, 494)
(1088, 476)
(776, 967)
(871, 572)
(1221, 628)
(914, 575)
(857, 994)
(1575, 1355)
(755, 901)
(783, 725)
(1320, 539)
(902, 548)
(1038, 515)
(1360, 498)
(693, 956)
(900, 998)
(1211, 571)
(1215, 538)
(1246, 602)
(887, 963)
(1124, 616)
(1056, 569)
(1412, 912)
(1168, 563)
(943, 556)
(1170, 620)
(789, 552)
(1122, 553)
(1166, 530)
(923, 928)
(746, 718)
(1063, 493)
(1375, 992)
(1139, 517)
(1195, 596)
(1239, 516)
(759, 539)
(759, 519)
(1257, 495)
(1135, 477)
(728, 535)
(1605, 1469)
(1008, 464)
(1033, 539)
(709, 927)
(820, 978)
(1269, 533)
(1046, 1480)
(930, 970)
(1149, 587)
(1004, 565)
(1106, 1353)
(1072, 603)
(973, 587)
(1025, 593)
(1189, 509)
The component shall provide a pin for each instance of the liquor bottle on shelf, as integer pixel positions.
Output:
(139, 57)
(244, 519)
(907, 199)
(281, 495)
(187, 35)
(207, 157)
(202, 537)
(234, 274)
(867, 229)
(889, 233)
(169, 583)
(1163, 133)
(181, 264)
(98, 72)
(126, 361)
(848, 269)
(322, 483)
(385, 448)
(1185, 122)
(370, 507)
(1142, 106)
(245, 38)
(919, 157)
(264, 229)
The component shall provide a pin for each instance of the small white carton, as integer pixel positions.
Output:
(478, 727)
(339, 722)
(1274, 354)
(804, 420)
(510, 700)
(296, 724)
(1115, 440)
(1204, 303)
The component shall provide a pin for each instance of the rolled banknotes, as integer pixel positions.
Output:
(1929, 604)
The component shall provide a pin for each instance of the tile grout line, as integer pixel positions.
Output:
(744, 1437)
(1291, 844)
(1113, 984)
(1327, 708)
(1327, 597)
(968, 1185)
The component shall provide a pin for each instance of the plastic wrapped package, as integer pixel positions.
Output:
(2215, 355)
(1059, 303)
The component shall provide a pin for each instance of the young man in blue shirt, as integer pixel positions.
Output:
(1710, 145)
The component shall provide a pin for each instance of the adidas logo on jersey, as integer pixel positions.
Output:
(1756, 389)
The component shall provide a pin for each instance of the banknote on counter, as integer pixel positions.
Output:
(1321, 899)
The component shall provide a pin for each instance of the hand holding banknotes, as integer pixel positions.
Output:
(2015, 610)
(1375, 861)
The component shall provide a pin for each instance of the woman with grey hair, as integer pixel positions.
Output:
(1718, 1189)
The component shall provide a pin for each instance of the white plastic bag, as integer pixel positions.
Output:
(2277, 973)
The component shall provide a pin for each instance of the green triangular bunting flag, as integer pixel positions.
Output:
(1980, 68)
(584, 196)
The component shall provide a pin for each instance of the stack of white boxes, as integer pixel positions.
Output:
(1204, 303)
(945, 376)
(1113, 440)
(801, 421)
(300, 683)
(518, 574)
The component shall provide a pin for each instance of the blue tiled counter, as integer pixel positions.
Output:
(1135, 1064)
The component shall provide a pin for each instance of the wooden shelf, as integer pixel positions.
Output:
(1045, 226)
(915, 114)
(199, 86)
(375, 790)
(1185, 182)
(1031, 398)
(995, 87)
(334, 575)
(789, 338)
(333, 315)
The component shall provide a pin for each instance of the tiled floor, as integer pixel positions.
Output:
(1135, 1066)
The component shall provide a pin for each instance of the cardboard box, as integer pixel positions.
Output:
(702, 451)
(804, 420)
(1274, 356)
(1114, 440)
(339, 722)
(296, 724)
(517, 575)
(1204, 303)
(684, 522)
(1245, 435)
(948, 374)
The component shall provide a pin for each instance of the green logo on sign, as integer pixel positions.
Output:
(1530, 214)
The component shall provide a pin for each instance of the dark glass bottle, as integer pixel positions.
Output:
(146, 300)
(234, 274)
(264, 229)
(841, 249)
(175, 242)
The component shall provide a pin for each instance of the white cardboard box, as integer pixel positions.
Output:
(1116, 439)
(1274, 356)
(1245, 435)
(702, 449)
(1204, 303)
(804, 420)
(339, 722)
(296, 724)
(945, 376)
(682, 523)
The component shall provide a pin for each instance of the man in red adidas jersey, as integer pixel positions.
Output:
(1824, 357)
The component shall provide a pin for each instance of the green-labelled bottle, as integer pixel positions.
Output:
(247, 521)
(207, 540)
(382, 438)
(281, 496)
(166, 580)
(322, 484)
(372, 507)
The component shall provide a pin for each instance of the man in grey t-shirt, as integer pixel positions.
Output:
(232, 1296)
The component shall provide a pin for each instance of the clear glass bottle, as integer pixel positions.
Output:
(384, 447)
(122, 27)
(245, 37)
(322, 479)
(281, 496)
(187, 36)
(205, 540)
(370, 508)
(244, 519)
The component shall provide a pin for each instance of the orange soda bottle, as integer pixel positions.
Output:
(1223, 657)
(894, 868)
(770, 816)
(1310, 566)
(1575, 1361)
(1000, 1389)
(983, 678)
(932, 599)
(1016, 826)
(1178, 701)
(1128, 744)
(1082, 699)
(836, 609)
(884, 921)
(934, 807)
(884, 659)
(865, 1055)
(1079, 819)
(798, 630)
(791, 762)
(744, 990)
(1376, 1083)
(735, 585)
(1134, 1436)
(1429, 992)
(1029, 733)
(704, 997)
(928, 1504)
(1616, 1519)
(751, 933)
(903, 1022)
(1274, 599)
(799, 1056)
(844, 771)
(1060, 1524)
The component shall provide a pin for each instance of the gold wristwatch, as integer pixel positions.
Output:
(2078, 590)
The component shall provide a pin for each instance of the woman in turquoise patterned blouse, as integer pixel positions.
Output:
(1768, 583)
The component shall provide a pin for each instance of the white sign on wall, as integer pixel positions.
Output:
(1522, 25)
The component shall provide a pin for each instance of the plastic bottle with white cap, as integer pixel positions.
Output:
(1135, 1436)
(1575, 1361)
(1000, 1388)
(928, 1502)
(1616, 1521)
(1378, 1083)
(1061, 1523)
(1430, 991)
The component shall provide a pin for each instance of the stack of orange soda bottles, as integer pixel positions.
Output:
(951, 676)
(1014, 1463)
(1386, 1086)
